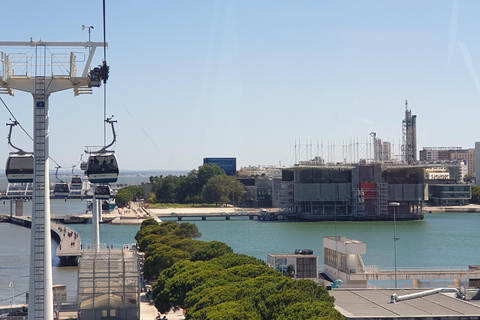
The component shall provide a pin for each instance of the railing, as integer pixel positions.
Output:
(376, 269)
(21, 64)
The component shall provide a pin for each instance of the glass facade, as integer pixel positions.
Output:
(229, 165)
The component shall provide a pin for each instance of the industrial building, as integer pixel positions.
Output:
(356, 192)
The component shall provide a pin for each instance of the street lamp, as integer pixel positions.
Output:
(395, 205)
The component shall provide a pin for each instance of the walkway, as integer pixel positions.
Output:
(70, 246)
(69, 242)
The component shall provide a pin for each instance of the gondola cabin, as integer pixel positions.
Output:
(102, 168)
(76, 183)
(102, 192)
(61, 190)
(19, 168)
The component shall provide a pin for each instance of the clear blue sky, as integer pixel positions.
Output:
(246, 79)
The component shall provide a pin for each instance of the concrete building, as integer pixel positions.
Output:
(301, 265)
(430, 154)
(477, 163)
(382, 151)
(469, 156)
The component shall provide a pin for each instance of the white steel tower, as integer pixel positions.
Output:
(42, 70)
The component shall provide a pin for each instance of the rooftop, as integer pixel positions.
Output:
(375, 303)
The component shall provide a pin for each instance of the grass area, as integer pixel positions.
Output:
(180, 205)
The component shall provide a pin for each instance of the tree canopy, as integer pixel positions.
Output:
(127, 194)
(193, 187)
(212, 282)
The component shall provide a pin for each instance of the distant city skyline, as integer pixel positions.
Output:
(249, 79)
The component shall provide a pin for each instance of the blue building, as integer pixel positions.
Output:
(229, 165)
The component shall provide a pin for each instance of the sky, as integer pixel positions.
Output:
(250, 79)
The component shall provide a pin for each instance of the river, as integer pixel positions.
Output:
(440, 240)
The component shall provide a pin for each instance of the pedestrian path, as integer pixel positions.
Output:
(70, 246)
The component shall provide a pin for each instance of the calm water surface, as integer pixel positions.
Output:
(441, 240)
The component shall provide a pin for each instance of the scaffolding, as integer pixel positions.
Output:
(358, 202)
(285, 195)
(382, 198)
(109, 284)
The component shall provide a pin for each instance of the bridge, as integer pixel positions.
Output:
(342, 260)
(226, 213)
(69, 242)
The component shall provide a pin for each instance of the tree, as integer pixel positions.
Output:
(127, 194)
(187, 230)
(208, 171)
(475, 195)
(210, 250)
(223, 189)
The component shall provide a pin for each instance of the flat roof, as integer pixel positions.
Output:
(375, 303)
(344, 239)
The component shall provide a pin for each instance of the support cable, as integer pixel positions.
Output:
(25, 131)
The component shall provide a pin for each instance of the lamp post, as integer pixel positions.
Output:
(395, 205)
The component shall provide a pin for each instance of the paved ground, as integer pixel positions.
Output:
(467, 208)
(149, 312)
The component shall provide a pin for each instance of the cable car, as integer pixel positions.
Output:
(102, 165)
(19, 168)
(102, 192)
(102, 168)
(61, 190)
(76, 182)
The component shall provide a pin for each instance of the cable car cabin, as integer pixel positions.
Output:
(102, 192)
(19, 168)
(61, 190)
(76, 183)
(102, 168)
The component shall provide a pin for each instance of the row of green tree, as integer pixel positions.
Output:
(209, 183)
(212, 282)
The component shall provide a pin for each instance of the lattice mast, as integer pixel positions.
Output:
(409, 137)
(41, 70)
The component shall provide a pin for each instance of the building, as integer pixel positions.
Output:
(301, 265)
(258, 192)
(449, 194)
(229, 165)
(469, 156)
(382, 151)
(363, 304)
(109, 284)
(356, 192)
(429, 154)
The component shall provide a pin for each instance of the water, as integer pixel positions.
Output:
(440, 240)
